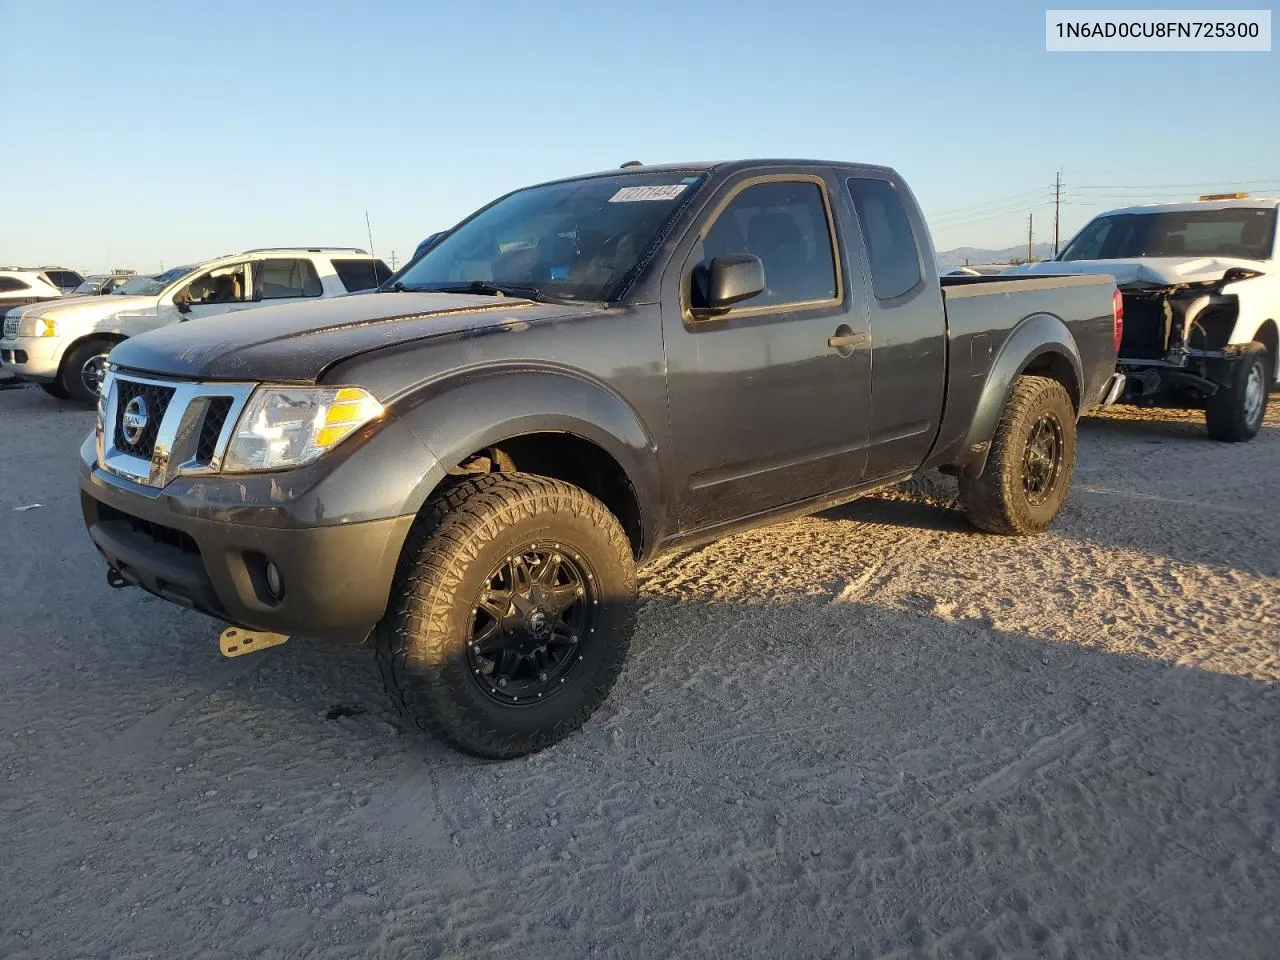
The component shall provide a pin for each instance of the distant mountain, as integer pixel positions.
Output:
(960, 255)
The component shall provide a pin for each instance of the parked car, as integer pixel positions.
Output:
(63, 346)
(1201, 303)
(467, 466)
(20, 288)
(99, 284)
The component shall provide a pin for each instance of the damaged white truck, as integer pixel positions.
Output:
(1201, 303)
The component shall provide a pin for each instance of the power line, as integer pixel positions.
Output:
(1011, 198)
(982, 213)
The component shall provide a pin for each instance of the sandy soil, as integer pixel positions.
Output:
(868, 733)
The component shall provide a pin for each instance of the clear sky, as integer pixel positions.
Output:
(147, 131)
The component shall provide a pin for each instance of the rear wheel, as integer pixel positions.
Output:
(1235, 413)
(55, 390)
(511, 614)
(82, 370)
(1032, 459)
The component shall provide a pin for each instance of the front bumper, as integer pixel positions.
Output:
(336, 577)
(32, 358)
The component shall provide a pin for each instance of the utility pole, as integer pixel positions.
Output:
(1057, 209)
(393, 261)
(1029, 237)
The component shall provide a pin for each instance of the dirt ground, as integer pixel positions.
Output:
(871, 733)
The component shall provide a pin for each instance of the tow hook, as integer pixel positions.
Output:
(116, 579)
(237, 641)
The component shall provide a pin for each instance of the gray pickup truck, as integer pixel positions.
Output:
(464, 468)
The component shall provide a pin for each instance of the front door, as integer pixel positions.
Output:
(769, 400)
(215, 291)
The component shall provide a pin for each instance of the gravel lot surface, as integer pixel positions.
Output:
(870, 733)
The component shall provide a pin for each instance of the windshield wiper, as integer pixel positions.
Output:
(484, 287)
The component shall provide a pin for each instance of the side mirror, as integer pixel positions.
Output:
(733, 278)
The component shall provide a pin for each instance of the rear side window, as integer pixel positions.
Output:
(64, 278)
(361, 274)
(282, 279)
(10, 284)
(886, 230)
(785, 225)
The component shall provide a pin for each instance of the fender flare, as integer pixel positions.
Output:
(1036, 337)
(469, 411)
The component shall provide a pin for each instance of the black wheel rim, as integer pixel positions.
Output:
(1042, 459)
(91, 372)
(531, 620)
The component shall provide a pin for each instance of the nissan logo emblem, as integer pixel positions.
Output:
(134, 420)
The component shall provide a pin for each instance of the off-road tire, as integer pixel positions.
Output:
(55, 390)
(998, 501)
(421, 643)
(73, 364)
(1235, 413)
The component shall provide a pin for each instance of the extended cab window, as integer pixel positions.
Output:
(285, 278)
(361, 274)
(9, 284)
(785, 225)
(886, 231)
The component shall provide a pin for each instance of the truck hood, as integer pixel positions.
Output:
(1160, 270)
(295, 343)
(88, 307)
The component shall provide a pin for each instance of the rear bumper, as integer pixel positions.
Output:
(336, 578)
(32, 358)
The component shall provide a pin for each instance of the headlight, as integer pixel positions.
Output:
(289, 426)
(37, 327)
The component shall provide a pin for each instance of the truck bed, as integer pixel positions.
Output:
(984, 313)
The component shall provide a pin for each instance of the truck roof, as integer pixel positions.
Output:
(1256, 203)
(722, 166)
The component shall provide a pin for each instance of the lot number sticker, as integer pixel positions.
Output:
(667, 191)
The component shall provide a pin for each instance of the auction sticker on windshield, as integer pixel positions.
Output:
(666, 191)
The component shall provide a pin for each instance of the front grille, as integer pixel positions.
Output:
(156, 532)
(11, 325)
(215, 418)
(156, 399)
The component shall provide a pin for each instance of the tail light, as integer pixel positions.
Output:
(1117, 318)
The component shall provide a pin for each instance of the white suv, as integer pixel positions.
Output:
(62, 345)
(20, 288)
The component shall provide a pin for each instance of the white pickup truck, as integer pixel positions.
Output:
(1201, 295)
(62, 344)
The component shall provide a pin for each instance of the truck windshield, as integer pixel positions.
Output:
(575, 240)
(151, 286)
(1241, 232)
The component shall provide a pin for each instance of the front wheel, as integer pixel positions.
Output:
(1235, 413)
(82, 370)
(1032, 459)
(511, 614)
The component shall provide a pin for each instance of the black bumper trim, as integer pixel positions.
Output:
(337, 578)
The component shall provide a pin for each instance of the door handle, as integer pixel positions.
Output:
(845, 341)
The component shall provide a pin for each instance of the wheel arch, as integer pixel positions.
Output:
(110, 336)
(545, 422)
(1040, 345)
(1268, 334)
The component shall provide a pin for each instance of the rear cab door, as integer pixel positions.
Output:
(908, 321)
(769, 400)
